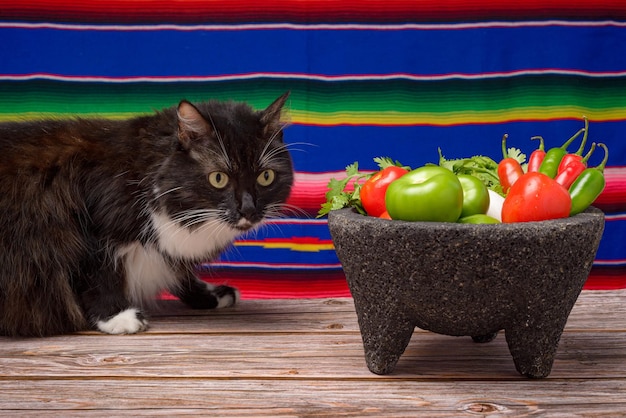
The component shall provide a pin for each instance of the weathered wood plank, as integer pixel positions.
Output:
(314, 398)
(432, 356)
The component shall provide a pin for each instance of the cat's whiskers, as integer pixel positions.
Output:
(160, 195)
(285, 210)
(290, 146)
(220, 226)
(192, 217)
(227, 159)
(199, 220)
(268, 143)
(266, 156)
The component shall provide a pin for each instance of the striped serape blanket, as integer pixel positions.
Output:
(369, 78)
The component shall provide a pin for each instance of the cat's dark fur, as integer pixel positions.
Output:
(98, 216)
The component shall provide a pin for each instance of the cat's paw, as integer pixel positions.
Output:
(129, 321)
(226, 296)
(202, 295)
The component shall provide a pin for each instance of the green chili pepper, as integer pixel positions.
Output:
(550, 164)
(588, 185)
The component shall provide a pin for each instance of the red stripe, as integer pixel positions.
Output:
(260, 287)
(205, 11)
(599, 281)
(257, 284)
(290, 240)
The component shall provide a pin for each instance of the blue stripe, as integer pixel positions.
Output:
(330, 52)
(611, 247)
(332, 148)
(275, 255)
(612, 243)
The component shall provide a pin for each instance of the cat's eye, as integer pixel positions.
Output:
(218, 179)
(266, 177)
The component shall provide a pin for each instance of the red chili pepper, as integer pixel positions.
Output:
(509, 169)
(536, 158)
(578, 155)
(536, 197)
(550, 164)
(570, 173)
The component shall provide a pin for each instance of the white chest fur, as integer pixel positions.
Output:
(148, 272)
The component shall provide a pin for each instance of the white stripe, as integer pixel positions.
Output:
(609, 262)
(314, 77)
(309, 27)
(615, 217)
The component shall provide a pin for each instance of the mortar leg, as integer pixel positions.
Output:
(385, 337)
(533, 348)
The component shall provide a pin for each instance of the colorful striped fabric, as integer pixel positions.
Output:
(369, 78)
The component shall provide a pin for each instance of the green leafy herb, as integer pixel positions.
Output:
(384, 162)
(337, 197)
(517, 155)
(479, 166)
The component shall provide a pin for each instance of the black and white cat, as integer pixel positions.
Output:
(98, 216)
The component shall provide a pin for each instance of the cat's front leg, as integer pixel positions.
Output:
(199, 294)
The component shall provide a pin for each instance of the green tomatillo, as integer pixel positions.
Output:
(429, 193)
(479, 218)
(475, 195)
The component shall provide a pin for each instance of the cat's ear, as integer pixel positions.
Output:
(271, 116)
(191, 124)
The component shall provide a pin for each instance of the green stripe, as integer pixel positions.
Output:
(43, 97)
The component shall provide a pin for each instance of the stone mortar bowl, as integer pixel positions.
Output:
(465, 280)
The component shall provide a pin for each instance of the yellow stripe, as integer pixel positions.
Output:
(456, 118)
(392, 118)
(34, 116)
(288, 246)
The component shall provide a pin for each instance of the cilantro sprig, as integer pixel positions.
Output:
(481, 167)
(340, 195)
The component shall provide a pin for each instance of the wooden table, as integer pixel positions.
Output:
(299, 358)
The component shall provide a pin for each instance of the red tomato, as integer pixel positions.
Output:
(374, 189)
(536, 197)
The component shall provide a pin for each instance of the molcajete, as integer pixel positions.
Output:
(465, 280)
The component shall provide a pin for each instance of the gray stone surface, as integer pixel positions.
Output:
(465, 280)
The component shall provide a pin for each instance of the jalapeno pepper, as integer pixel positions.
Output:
(550, 164)
(578, 155)
(570, 173)
(537, 156)
(509, 169)
(588, 186)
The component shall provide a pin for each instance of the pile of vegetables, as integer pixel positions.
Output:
(553, 184)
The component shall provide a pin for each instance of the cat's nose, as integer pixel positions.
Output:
(247, 209)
